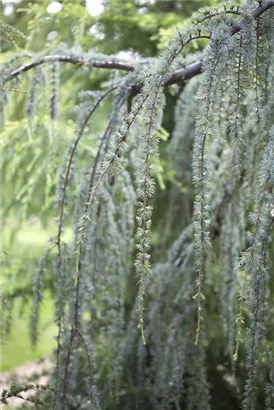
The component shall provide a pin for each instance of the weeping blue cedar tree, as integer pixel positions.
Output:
(212, 289)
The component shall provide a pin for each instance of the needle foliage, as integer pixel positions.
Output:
(162, 170)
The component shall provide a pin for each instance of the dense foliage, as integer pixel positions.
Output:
(161, 182)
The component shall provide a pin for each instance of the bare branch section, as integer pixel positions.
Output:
(180, 75)
(80, 62)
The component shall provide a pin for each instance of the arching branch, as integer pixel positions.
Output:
(194, 69)
(186, 73)
(179, 75)
(78, 61)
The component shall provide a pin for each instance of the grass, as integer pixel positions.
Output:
(25, 250)
(16, 349)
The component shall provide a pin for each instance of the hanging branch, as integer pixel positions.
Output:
(73, 150)
(62, 205)
(147, 109)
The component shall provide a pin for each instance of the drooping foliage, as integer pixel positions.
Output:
(146, 322)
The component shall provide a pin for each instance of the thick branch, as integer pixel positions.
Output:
(194, 69)
(262, 8)
(180, 75)
(81, 62)
(186, 73)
